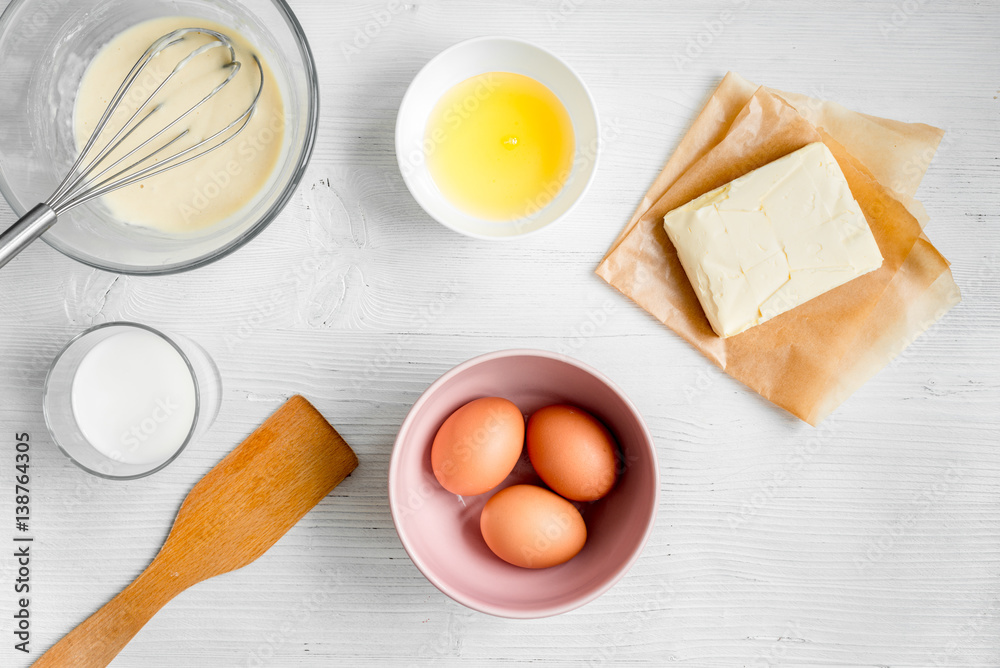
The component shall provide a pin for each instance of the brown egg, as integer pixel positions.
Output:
(572, 452)
(531, 527)
(478, 446)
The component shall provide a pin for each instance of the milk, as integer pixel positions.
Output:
(133, 397)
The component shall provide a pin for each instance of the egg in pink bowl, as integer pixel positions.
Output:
(440, 531)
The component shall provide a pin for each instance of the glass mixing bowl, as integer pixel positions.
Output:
(45, 47)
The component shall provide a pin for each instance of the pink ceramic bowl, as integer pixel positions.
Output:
(440, 531)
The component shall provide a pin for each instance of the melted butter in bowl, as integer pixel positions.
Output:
(216, 186)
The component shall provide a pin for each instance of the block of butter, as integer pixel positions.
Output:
(772, 239)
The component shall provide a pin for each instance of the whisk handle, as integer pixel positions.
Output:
(28, 228)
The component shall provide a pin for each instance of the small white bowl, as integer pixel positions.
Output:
(468, 59)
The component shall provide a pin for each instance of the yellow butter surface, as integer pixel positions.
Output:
(772, 239)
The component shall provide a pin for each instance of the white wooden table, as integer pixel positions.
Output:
(880, 547)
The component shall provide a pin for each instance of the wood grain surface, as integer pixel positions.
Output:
(871, 541)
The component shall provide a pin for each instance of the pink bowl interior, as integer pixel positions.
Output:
(440, 530)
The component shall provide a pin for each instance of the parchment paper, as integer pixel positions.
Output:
(810, 359)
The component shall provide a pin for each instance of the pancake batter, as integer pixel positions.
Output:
(215, 186)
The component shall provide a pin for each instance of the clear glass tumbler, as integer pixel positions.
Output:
(123, 400)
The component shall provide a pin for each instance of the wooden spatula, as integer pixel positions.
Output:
(231, 517)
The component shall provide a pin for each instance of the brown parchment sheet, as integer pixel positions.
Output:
(811, 358)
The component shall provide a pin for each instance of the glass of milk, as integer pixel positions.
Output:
(122, 400)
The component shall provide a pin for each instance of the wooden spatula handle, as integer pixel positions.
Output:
(98, 640)
(232, 516)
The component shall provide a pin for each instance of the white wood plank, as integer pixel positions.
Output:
(881, 545)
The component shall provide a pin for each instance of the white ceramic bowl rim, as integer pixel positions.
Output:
(402, 151)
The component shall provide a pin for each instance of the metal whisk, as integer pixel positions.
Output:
(89, 177)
